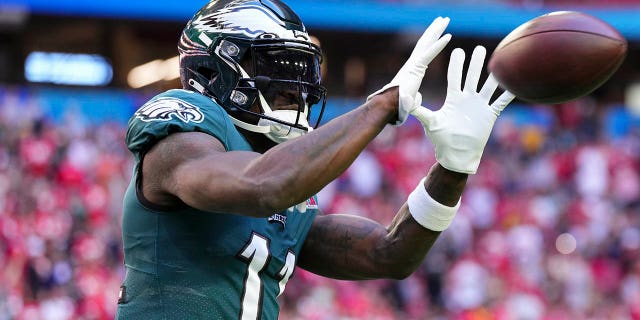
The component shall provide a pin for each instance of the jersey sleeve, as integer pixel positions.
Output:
(175, 111)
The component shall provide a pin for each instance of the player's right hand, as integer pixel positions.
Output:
(409, 78)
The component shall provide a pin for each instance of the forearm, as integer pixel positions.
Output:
(315, 159)
(445, 186)
(410, 240)
(347, 247)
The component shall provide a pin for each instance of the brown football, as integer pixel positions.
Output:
(558, 57)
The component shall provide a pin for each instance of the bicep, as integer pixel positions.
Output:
(196, 169)
(353, 247)
(343, 247)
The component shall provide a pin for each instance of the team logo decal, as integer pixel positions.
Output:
(164, 109)
(242, 18)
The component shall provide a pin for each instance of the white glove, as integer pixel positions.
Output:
(461, 128)
(409, 78)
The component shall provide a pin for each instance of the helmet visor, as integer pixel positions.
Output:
(292, 69)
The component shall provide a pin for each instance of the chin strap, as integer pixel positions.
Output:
(250, 127)
(275, 131)
(279, 132)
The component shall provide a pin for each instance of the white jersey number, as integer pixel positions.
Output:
(256, 254)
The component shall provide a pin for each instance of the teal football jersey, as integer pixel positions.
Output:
(183, 263)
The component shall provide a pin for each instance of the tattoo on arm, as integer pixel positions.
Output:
(341, 246)
(355, 248)
(351, 247)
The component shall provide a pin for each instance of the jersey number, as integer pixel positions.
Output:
(256, 254)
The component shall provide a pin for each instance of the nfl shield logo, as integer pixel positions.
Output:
(312, 203)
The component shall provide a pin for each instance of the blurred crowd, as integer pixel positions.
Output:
(549, 228)
(61, 187)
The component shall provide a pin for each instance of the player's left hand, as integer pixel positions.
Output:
(409, 78)
(461, 128)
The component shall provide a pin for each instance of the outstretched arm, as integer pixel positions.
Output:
(349, 247)
(352, 247)
(194, 168)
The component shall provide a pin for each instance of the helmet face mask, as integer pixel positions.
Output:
(288, 66)
(243, 53)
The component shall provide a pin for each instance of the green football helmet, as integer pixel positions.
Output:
(244, 53)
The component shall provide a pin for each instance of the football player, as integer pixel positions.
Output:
(221, 207)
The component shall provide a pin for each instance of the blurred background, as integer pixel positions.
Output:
(549, 228)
